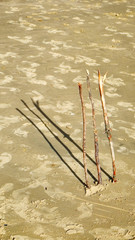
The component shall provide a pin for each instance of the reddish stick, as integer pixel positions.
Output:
(84, 135)
(95, 130)
(106, 121)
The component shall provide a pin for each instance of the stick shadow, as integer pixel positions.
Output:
(36, 104)
(50, 144)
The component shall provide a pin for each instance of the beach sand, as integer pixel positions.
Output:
(46, 47)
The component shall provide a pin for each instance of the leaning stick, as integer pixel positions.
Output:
(95, 130)
(106, 121)
(84, 136)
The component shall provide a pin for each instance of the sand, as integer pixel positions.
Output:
(46, 47)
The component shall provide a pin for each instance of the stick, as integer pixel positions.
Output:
(95, 131)
(84, 135)
(94, 203)
(106, 121)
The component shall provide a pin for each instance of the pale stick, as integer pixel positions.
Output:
(106, 121)
(95, 130)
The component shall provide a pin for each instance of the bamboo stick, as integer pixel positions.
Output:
(84, 136)
(106, 121)
(95, 131)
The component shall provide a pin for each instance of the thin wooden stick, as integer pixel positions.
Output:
(84, 136)
(93, 202)
(106, 121)
(95, 130)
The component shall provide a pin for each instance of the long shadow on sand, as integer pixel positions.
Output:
(36, 104)
(51, 146)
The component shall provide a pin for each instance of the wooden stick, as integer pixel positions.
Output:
(84, 136)
(93, 202)
(95, 130)
(106, 121)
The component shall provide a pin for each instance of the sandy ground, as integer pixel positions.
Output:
(45, 48)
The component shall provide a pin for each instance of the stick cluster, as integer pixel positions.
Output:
(107, 128)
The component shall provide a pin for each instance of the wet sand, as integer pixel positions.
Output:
(45, 49)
